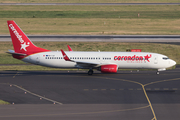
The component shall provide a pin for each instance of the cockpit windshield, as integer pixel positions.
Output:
(165, 58)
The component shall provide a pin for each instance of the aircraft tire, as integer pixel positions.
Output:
(90, 72)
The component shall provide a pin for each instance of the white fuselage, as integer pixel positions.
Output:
(121, 59)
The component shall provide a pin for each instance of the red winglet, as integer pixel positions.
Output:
(69, 48)
(65, 56)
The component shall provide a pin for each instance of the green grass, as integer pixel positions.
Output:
(3, 102)
(29, 68)
(93, 20)
(94, 26)
(148, 11)
(91, 14)
(89, 1)
(91, 8)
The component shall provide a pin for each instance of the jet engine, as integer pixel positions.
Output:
(111, 68)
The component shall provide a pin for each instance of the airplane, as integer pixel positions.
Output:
(106, 62)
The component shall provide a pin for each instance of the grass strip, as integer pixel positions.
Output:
(91, 14)
(89, 1)
(94, 26)
(135, 8)
(91, 20)
(42, 68)
(4, 102)
(29, 68)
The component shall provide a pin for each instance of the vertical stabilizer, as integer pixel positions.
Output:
(21, 43)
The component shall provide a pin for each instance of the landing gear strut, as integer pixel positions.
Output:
(90, 72)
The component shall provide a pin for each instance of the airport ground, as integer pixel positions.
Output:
(89, 1)
(127, 95)
(74, 95)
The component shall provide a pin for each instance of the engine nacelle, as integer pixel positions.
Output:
(111, 68)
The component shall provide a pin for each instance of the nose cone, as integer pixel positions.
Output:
(172, 63)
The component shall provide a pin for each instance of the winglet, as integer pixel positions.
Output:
(65, 56)
(69, 48)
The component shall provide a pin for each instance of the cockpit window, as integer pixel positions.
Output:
(165, 58)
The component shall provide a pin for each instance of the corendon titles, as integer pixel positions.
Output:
(132, 58)
(16, 33)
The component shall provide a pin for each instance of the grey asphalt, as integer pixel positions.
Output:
(170, 39)
(89, 3)
(100, 96)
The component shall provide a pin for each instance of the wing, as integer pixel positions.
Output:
(82, 64)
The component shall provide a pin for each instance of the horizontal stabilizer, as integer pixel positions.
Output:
(14, 53)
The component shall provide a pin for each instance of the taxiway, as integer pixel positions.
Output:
(74, 95)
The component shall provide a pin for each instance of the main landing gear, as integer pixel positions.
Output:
(90, 72)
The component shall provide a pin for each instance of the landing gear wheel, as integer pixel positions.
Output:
(157, 73)
(90, 72)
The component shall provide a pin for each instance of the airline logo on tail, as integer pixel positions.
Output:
(23, 44)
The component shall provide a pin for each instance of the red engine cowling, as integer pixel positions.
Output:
(111, 68)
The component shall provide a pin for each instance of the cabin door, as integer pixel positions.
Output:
(155, 59)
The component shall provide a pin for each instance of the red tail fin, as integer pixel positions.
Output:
(21, 43)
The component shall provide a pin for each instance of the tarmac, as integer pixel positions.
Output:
(169, 39)
(127, 95)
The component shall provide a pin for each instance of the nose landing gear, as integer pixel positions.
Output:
(161, 69)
